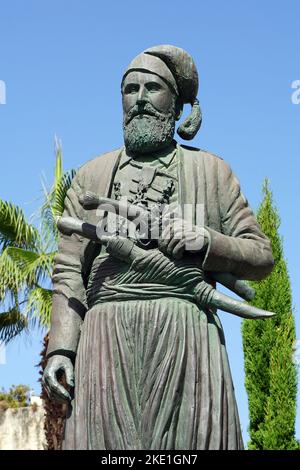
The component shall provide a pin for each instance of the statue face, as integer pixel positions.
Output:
(149, 108)
(140, 88)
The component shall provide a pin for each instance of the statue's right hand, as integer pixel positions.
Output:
(54, 389)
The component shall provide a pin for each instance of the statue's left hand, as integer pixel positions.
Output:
(179, 236)
(54, 389)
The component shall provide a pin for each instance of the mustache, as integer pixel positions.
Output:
(138, 110)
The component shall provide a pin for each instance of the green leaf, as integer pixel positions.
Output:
(12, 278)
(27, 256)
(39, 305)
(12, 323)
(14, 229)
(53, 207)
(34, 266)
(58, 160)
(60, 192)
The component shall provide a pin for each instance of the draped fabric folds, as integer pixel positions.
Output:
(152, 374)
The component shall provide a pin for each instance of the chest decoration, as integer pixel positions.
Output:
(150, 189)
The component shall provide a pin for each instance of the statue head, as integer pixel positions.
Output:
(155, 86)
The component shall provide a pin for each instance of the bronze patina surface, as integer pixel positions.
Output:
(134, 322)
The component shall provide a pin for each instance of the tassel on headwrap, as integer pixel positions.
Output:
(175, 66)
(191, 125)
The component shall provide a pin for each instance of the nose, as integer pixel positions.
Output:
(142, 95)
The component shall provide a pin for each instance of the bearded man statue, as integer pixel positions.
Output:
(146, 365)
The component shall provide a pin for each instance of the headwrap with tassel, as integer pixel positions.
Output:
(177, 68)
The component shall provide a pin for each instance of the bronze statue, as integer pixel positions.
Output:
(134, 323)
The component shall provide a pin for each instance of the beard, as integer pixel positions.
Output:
(147, 130)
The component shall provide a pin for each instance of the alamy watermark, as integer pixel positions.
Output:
(160, 221)
(2, 92)
(295, 97)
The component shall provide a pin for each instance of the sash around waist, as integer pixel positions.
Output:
(112, 280)
(138, 291)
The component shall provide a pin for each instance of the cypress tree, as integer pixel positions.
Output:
(270, 371)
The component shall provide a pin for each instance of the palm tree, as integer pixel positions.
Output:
(26, 258)
(26, 263)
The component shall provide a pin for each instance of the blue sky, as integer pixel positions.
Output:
(62, 63)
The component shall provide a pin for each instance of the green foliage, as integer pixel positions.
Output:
(12, 323)
(27, 257)
(14, 229)
(271, 375)
(39, 303)
(54, 199)
(16, 397)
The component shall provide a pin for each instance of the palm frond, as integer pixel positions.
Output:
(34, 266)
(12, 323)
(55, 197)
(27, 257)
(58, 160)
(14, 229)
(60, 192)
(12, 278)
(39, 306)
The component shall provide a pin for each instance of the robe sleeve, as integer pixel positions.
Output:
(241, 248)
(69, 301)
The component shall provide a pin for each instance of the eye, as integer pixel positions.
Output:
(131, 88)
(153, 86)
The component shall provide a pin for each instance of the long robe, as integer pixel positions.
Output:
(153, 373)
